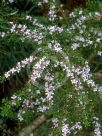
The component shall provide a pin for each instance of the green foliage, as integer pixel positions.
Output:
(94, 5)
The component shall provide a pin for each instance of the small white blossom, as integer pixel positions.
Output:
(74, 46)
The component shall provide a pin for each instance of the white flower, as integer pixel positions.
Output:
(97, 14)
(11, 1)
(72, 14)
(82, 18)
(99, 53)
(90, 42)
(13, 97)
(7, 74)
(45, 1)
(75, 46)
(80, 12)
(98, 40)
(20, 115)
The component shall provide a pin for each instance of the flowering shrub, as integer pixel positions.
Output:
(61, 70)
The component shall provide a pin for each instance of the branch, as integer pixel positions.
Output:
(98, 76)
(29, 129)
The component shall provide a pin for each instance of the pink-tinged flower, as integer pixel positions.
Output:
(45, 1)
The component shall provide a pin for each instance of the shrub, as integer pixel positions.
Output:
(60, 71)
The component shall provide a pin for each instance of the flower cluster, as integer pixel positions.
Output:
(65, 128)
(49, 86)
(54, 45)
(55, 122)
(87, 77)
(15, 99)
(27, 33)
(38, 68)
(53, 29)
(36, 23)
(71, 74)
(52, 12)
(75, 127)
(97, 131)
(19, 66)
(83, 40)
(2, 34)
(21, 114)
(50, 29)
